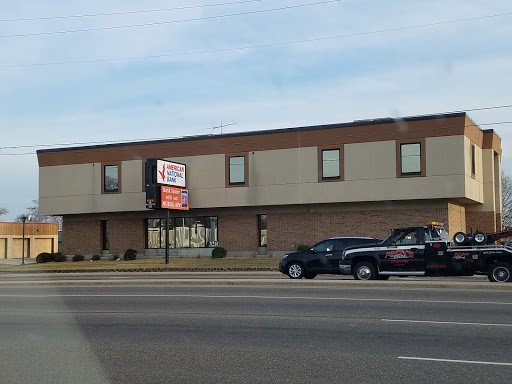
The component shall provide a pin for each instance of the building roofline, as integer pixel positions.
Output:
(355, 123)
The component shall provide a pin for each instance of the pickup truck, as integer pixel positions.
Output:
(426, 251)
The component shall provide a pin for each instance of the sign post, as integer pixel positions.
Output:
(165, 189)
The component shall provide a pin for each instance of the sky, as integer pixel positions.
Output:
(97, 72)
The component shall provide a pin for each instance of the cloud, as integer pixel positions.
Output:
(406, 72)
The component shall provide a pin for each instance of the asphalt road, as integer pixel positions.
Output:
(253, 334)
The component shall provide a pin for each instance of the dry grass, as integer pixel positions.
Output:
(145, 264)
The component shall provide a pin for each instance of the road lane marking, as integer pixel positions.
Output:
(447, 322)
(453, 361)
(262, 297)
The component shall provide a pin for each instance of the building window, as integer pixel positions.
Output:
(410, 158)
(184, 232)
(330, 164)
(473, 167)
(153, 233)
(237, 170)
(104, 235)
(111, 178)
(262, 230)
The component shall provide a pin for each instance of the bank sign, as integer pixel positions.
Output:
(169, 173)
(174, 198)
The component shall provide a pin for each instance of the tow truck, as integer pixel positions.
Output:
(428, 251)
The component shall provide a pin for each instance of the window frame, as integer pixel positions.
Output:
(423, 160)
(119, 177)
(320, 151)
(172, 227)
(245, 183)
(324, 151)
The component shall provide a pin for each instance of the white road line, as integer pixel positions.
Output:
(265, 297)
(447, 322)
(453, 361)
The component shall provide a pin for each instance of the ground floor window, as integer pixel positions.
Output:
(262, 229)
(184, 232)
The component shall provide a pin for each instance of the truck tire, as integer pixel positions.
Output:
(479, 238)
(295, 270)
(365, 270)
(460, 238)
(500, 272)
(310, 275)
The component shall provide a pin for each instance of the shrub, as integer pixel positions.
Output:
(219, 253)
(96, 257)
(59, 257)
(303, 247)
(78, 257)
(130, 254)
(45, 257)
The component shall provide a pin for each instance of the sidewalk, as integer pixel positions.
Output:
(17, 261)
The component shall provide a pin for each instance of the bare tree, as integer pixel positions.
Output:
(33, 213)
(3, 211)
(506, 197)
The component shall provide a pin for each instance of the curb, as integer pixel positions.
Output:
(170, 269)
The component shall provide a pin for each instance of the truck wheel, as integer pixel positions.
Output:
(460, 238)
(365, 271)
(295, 270)
(479, 238)
(500, 273)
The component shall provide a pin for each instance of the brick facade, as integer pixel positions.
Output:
(499, 222)
(239, 233)
(456, 219)
(286, 231)
(124, 234)
(481, 221)
(82, 237)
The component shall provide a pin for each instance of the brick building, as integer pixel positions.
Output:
(265, 192)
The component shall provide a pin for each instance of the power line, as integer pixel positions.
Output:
(268, 45)
(129, 12)
(167, 22)
(129, 142)
(227, 125)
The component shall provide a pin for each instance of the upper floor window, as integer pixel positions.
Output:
(111, 178)
(237, 170)
(410, 158)
(330, 164)
(473, 164)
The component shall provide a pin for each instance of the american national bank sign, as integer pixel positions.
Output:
(165, 185)
(170, 173)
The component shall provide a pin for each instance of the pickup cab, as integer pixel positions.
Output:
(426, 251)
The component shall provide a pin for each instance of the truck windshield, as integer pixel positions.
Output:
(437, 234)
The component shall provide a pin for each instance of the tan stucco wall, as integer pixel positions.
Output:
(279, 177)
(444, 155)
(131, 181)
(370, 161)
(203, 172)
(474, 184)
